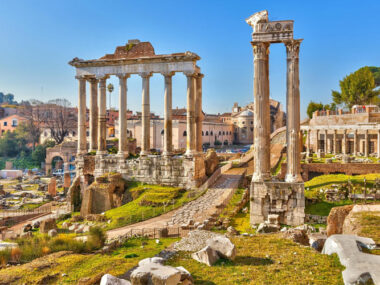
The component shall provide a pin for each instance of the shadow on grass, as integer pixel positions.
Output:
(245, 260)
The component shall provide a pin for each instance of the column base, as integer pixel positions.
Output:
(260, 177)
(190, 153)
(122, 154)
(290, 178)
(167, 153)
(101, 152)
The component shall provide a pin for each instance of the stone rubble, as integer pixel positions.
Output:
(206, 255)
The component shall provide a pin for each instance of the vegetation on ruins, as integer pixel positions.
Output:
(148, 201)
(313, 106)
(359, 88)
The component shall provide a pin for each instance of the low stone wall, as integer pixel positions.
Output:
(153, 169)
(215, 176)
(307, 169)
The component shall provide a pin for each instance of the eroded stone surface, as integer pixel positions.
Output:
(206, 255)
(359, 265)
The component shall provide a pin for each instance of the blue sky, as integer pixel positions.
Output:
(38, 38)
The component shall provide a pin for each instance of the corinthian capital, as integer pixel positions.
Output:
(293, 48)
(145, 74)
(260, 50)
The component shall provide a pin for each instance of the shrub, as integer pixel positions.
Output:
(5, 256)
(96, 239)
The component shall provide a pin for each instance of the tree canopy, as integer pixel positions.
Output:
(313, 106)
(358, 87)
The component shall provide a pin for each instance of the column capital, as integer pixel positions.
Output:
(80, 77)
(260, 50)
(190, 73)
(292, 48)
(92, 80)
(168, 73)
(123, 76)
(145, 74)
(200, 75)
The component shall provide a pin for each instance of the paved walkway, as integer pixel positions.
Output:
(197, 210)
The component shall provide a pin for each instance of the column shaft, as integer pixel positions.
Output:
(123, 140)
(317, 141)
(308, 142)
(334, 143)
(378, 143)
(366, 142)
(190, 138)
(325, 140)
(102, 125)
(261, 112)
(344, 142)
(198, 114)
(168, 123)
(145, 119)
(355, 142)
(293, 173)
(94, 114)
(82, 140)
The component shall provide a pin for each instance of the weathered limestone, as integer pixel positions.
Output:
(102, 124)
(335, 151)
(286, 199)
(293, 113)
(123, 143)
(206, 255)
(325, 142)
(223, 246)
(198, 113)
(366, 147)
(168, 123)
(93, 114)
(82, 141)
(360, 266)
(344, 142)
(52, 187)
(261, 114)
(145, 130)
(190, 132)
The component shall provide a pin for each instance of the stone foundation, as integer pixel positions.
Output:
(282, 198)
(187, 172)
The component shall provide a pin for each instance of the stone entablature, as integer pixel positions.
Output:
(344, 119)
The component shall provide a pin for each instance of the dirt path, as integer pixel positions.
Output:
(197, 210)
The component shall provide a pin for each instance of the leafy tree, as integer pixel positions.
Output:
(11, 145)
(357, 88)
(39, 154)
(376, 74)
(312, 107)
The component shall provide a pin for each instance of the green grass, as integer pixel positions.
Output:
(149, 201)
(265, 259)
(323, 208)
(78, 266)
(234, 201)
(370, 225)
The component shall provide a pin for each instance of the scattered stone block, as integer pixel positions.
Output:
(268, 228)
(108, 279)
(223, 246)
(52, 233)
(297, 235)
(360, 267)
(336, 218)
(154, 273)
(317, 241)
(158, 260)
(206, 255)
(47, 225)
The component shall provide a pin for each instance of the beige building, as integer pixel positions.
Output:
(354, 132)
(242, 120)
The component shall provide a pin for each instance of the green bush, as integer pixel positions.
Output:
(96, 239)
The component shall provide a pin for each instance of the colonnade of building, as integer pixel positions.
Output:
(97, 114)
(262, 112)
(335, 143)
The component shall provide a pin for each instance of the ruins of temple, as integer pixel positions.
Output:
(268, 196)
(139, 58)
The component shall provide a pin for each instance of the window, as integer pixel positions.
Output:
(87, 133)
(5, 123)
(74, 134)
(203, 134)
(206, 133)
(243, 122)
(184, 133)
(2, 131)
(211, 133)
(224, 133)
(251, 129)
(162, 132)
(251, 122)
(220, 133)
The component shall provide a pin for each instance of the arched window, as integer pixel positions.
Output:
(211, 133)
(162, 132)
(224, 133)
(220, 133)
(184, 133)
(206, 133)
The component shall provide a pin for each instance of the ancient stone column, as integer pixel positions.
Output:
(145, 119)
(378, 143)
(93, 114)
(82, 140)
(325, 140)
(308, 142)
(355, 142)
(261, 112)
(293, 173)
(317, 140)
(190, 138)
(168, 123)
(344, 142)
(102, 125)
(123, 140)
(366, 142)
(198, 113)
(334, 143)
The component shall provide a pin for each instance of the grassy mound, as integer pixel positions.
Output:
(266, 259)
(90, 267)
(148, 201)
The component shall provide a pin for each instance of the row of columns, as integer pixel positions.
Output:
(344, 142)
(262, 112)
(98, 120)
